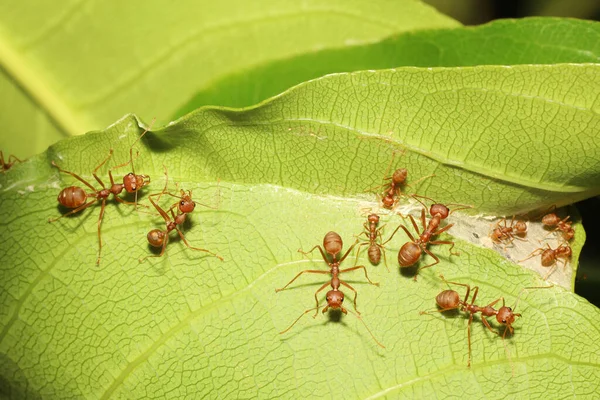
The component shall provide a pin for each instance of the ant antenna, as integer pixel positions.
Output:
(529, 288)
(363, 322)
(137, 154)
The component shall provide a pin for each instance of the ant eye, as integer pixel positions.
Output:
(509, 309)
(503, 321)
(182, 202)
(194, 203)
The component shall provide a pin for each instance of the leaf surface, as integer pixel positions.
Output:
(81, 66)
(281, 176)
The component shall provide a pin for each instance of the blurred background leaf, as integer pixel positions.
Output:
(69, 69)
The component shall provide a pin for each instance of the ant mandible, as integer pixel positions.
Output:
(160, 238)
(332, 243)
(6, 165)
(75, 197)
(450, 300)
(550, 256)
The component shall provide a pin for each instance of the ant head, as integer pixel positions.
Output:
(496, 235)
(564, 250)
(400, 175)
(156, 237)
(440, 209)
(568, 234)
(186, 204)
(332, 242)
(373, 218)
(521, 226)
(335, 298)
(388, 201)
(505, 316)
(133, 182)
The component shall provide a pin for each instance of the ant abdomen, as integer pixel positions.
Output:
(156, 237)
(374, 253)
(448, 299)
(332, 242)
(400, 175)
(72, 197)
(409, 254)
(550, 219)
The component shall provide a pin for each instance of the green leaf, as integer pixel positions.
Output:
(79, 67)
(502, 42)
(282, 175)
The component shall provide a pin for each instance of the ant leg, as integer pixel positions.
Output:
(317, 299)
(358, 249)
(419, 180)
(313, 249)
(308, 271)
(423, 221)
(533, 254)
(446, 242)
(94, 173)
(84, 206)
(359, 267)
(405, 230)
(355, 294)
(437, 260)
(475, 292)
(444, 229)
(487, 325)
(469, 339)
(493, 303)
(297, 319)
(347, 252)
(15, 159)
(550, 272)
(196, 248)
(74, 175)
(384, 257)
(437, 310)
(99, 225)
(120, 200)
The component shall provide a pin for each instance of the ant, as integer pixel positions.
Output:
(550, 256)
(552, 220)
(503, 233)
(411, 251)
(6, 165)
(394, 187)
(332, 242)
(185, 205)
(372, 232)
(450, 300)
(75, 197)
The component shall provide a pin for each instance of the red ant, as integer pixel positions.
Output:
(6, 165)
(394, 187)
(185, 205)
(550, 256)
(411, 251)
(76, 198)
(450, 300)
(503, 233)
(552, 220)
(335, 297)
(372, 232)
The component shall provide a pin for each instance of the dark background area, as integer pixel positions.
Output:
(475, 12)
